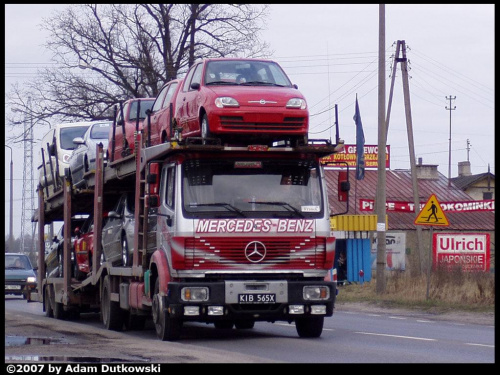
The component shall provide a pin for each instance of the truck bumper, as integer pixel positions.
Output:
(250, 300)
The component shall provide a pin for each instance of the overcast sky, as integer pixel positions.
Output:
(331, 52)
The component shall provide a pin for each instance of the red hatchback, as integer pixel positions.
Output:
(162, 113)
(241, 100)
(127, 121)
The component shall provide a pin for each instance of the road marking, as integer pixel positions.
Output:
(488, 346)
(397, 336)
(397, 317)
(425, 321)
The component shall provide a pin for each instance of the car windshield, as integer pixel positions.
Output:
(245, 72)
(70, 133)
(17, 262)
(251, 188)
(145, 105)
(100, 131)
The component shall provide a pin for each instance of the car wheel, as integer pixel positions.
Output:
(125, 254)
(205, 128)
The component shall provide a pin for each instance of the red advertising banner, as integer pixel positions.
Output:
(469, 251)
(483, 205)
(349, 156)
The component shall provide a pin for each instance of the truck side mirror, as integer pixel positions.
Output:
(343, 186)
(153, 178)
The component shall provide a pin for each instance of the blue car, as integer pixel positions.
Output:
(20, 276)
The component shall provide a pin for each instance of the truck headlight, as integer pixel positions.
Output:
(31, 279)
(296, 103)
(316, 293)
(194, 294)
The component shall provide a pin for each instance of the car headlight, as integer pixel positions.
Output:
(296, 103)
(31, 279)
(226, 101)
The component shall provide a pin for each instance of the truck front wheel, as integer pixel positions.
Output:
(309, 327)
(167, 328)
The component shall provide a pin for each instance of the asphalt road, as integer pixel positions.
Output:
(355, 334)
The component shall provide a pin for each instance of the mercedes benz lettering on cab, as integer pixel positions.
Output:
(238, 100)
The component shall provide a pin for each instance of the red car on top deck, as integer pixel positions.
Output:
(126, 123)
(241, 100)
(162, 113)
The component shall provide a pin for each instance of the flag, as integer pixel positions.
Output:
(360, 144)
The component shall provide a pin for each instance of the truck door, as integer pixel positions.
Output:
(167, 221)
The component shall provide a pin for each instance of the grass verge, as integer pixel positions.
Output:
(446, 291)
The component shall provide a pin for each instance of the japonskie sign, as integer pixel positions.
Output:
(469, 251)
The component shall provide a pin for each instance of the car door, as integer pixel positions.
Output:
(118, 132)
(187, 101)
(111, 232)
(165, 115)
(76, 162)
(156, 116)
(128, 221)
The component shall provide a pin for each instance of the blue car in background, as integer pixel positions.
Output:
(20, 276)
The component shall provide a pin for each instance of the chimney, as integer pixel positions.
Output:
(427, 171)
(464, 168)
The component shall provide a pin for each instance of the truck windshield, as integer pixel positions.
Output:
(252, 188)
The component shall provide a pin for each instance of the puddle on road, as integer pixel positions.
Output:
(63, 358)
(22, 340)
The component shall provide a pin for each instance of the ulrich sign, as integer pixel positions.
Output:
(469, 251)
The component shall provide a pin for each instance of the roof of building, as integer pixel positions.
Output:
(463, 182)
(399, 189)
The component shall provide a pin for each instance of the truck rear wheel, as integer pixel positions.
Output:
(167, 328)
(59, 312)
(310, 327)
(47, 304)
(112, 314)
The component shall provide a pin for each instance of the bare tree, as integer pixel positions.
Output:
(130, 50)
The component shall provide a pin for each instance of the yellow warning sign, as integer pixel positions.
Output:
(432, 214)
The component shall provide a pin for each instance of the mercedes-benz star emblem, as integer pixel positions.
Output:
(255, 251)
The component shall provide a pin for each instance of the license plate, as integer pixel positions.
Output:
(12, 287)
(257, 298)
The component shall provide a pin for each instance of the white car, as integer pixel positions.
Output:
(55, 150)
(82, 160)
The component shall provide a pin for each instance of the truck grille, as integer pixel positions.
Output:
(237, 123)
(284, 253)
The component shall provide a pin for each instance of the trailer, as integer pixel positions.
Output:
(242, 235)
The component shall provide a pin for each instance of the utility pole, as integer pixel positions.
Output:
(401, 45)
(450, 98)
(28, 203)
(468, 150)
(381, 173)
(11, 208)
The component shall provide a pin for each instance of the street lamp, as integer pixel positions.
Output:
(11, 213)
